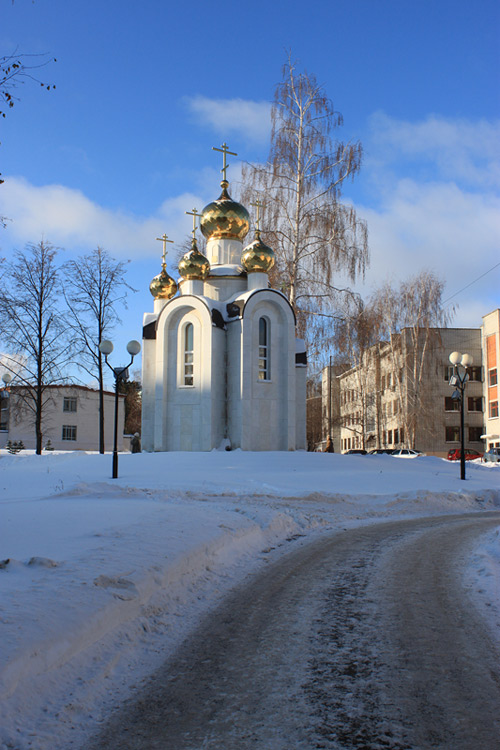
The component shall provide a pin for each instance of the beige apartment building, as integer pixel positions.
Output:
(70, 418)
(397, 397)
(491, 352)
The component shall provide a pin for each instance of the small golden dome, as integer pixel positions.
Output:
(257, 257)
(224, 218)
(163, 286)
(194, 265)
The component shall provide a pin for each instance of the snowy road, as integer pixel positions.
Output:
(362, 640)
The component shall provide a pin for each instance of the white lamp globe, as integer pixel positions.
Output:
(467, 360)
(455, 358)
(6, 377)
(106, 347)
(133, 348)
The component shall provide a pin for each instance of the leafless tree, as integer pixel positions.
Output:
(313, 234)
(33, 328)
(410, 317)
(94, 287)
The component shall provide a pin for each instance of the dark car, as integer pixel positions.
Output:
(380, 451)
(356, 450)
(492, 456)
(454, 454)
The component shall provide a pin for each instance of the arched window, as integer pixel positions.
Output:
(264, 350)
(189, 354)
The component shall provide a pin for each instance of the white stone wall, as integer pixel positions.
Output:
(227, 398)
(234, 382)
(268, 407)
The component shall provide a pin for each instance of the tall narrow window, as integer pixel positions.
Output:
(264, 359)
(188, 355)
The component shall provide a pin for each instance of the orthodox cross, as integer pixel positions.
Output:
(164, 239)
(194, 213)
(224, 151)
(258, 206)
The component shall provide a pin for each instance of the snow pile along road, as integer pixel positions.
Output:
(101, 579)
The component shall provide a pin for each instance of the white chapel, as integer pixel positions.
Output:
(221, 364)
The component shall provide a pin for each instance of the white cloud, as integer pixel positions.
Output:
(250, 119)
(67, 218)
(458, 149)
(439, 227)
(435, 205)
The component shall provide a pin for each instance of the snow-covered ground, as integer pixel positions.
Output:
(101, 578)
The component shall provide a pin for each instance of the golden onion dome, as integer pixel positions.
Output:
(257, 257)
(224, 218)
(194, 265)
(163, 286)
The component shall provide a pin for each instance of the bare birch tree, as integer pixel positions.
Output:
(94, 287)
(313, 234)
(410, 317)
(33, 328)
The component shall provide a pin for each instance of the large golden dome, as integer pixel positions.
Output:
(194, 265)
(224, 218)
(257, 257)
(163, 286)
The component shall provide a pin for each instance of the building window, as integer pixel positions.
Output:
(452, 434)
(451, 404)
(389, 437)
(264, 359)
(4, 412)
(475, 434)
(69, 404)
(475, 373)
(475, 403)
(69, 432)
(493, 410)
(492, 377)
(189, 354)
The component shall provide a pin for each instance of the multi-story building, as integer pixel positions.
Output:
(399, 394)
(491, 350)
(70, 418)
(330, 406)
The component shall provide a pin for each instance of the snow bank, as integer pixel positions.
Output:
(100, 579)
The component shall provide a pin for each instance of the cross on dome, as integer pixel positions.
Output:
(194, 213)
(224, 151)
(164, 239)
(258, 205)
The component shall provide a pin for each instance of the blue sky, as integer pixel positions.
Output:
(123, 146)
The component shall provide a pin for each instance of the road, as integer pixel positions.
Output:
(365, 639)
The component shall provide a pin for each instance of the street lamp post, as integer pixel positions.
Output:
(459, 380)
(120, 374)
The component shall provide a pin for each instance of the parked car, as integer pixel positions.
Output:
(454, 454)
(380, 451)
(406, 453)
(492, 456)
(355, 450)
